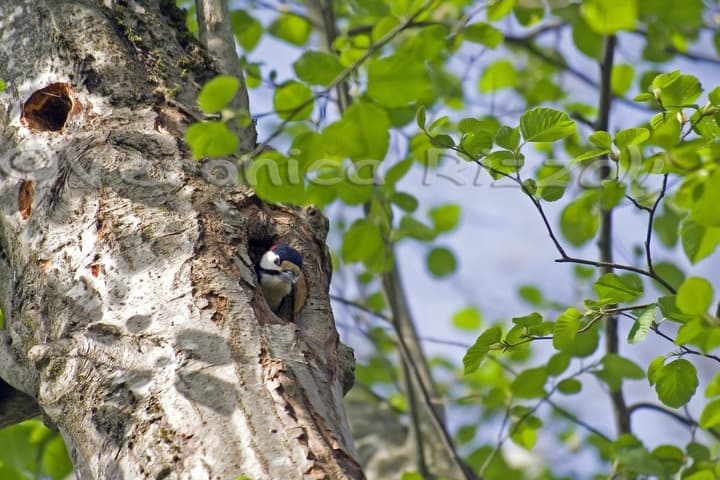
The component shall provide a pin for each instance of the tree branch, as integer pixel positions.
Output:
(690, 422)
(215, 29)
(622, 418)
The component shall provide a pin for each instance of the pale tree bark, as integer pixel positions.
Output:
(131, 315)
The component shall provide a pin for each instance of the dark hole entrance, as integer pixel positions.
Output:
(258, 246)
(48, 109)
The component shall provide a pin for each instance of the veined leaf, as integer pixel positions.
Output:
(477, 353)
(676, 383)
(545, 125)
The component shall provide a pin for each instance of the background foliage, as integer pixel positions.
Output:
(383, 91)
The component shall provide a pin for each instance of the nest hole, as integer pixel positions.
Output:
(258, 246)
(48, 109)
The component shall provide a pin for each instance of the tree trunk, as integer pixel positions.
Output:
(131, 313)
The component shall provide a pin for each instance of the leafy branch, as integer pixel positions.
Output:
(564, 257)
(502, 438)
(344, 75)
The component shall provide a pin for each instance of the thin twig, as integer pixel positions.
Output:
(360, 306)
(685, 350)
(576, 420)
(564, 257)
(689, 421)
(651, 217)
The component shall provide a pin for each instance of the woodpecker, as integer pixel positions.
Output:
(278, 271)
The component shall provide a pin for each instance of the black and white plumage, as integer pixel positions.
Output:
(278, 271)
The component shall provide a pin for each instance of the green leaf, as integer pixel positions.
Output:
(588, 155)
(445, 217)
(601, 139)
(710, 416)
(524, 433)
(586, 40)
(466, 434)
(665, 79)
(698, 451)
(569, 386)
(498, 9)
(217, 93)
(622, 77)
(420, 117)
(361, 241)
(361, 134)
(545, 125)
(442, 141)
(247, 29)
(414, 229)
(670, 456)
(2, 86)
(498, 75)
(398, 81)
(667, 226)
(610, 16)
(291, 28)
(611, 194)
(698, 332)
(665, 130)
(558, 363)
(566, 327)
(441, 262)
(530, 383)
(704, 210)
(698, 241)
(55, 459)
(579, 220)
(503, 161)
(642, 325)
(405, 201)
(617, 368)
(676, 383)
(654, 369)
(484, 34)
(631, 136)
(210, 139)
(293, 101)
(713, 96)
(19, 452)
(612, 288)
(713, 388)
(411, 476)
(552, 179)
(586, 344)
(468, 318)
(530, 186)
(531, 294)
(508, 138)
(477, 353)
(276, 178)
(317, 68)
(670, 311)
(684, 90)
(694, 296)
(532, 320)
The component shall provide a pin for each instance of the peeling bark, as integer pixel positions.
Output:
(132, 316)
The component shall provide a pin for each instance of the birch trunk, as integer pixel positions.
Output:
(132, 320)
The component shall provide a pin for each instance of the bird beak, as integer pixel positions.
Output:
(290, 276)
